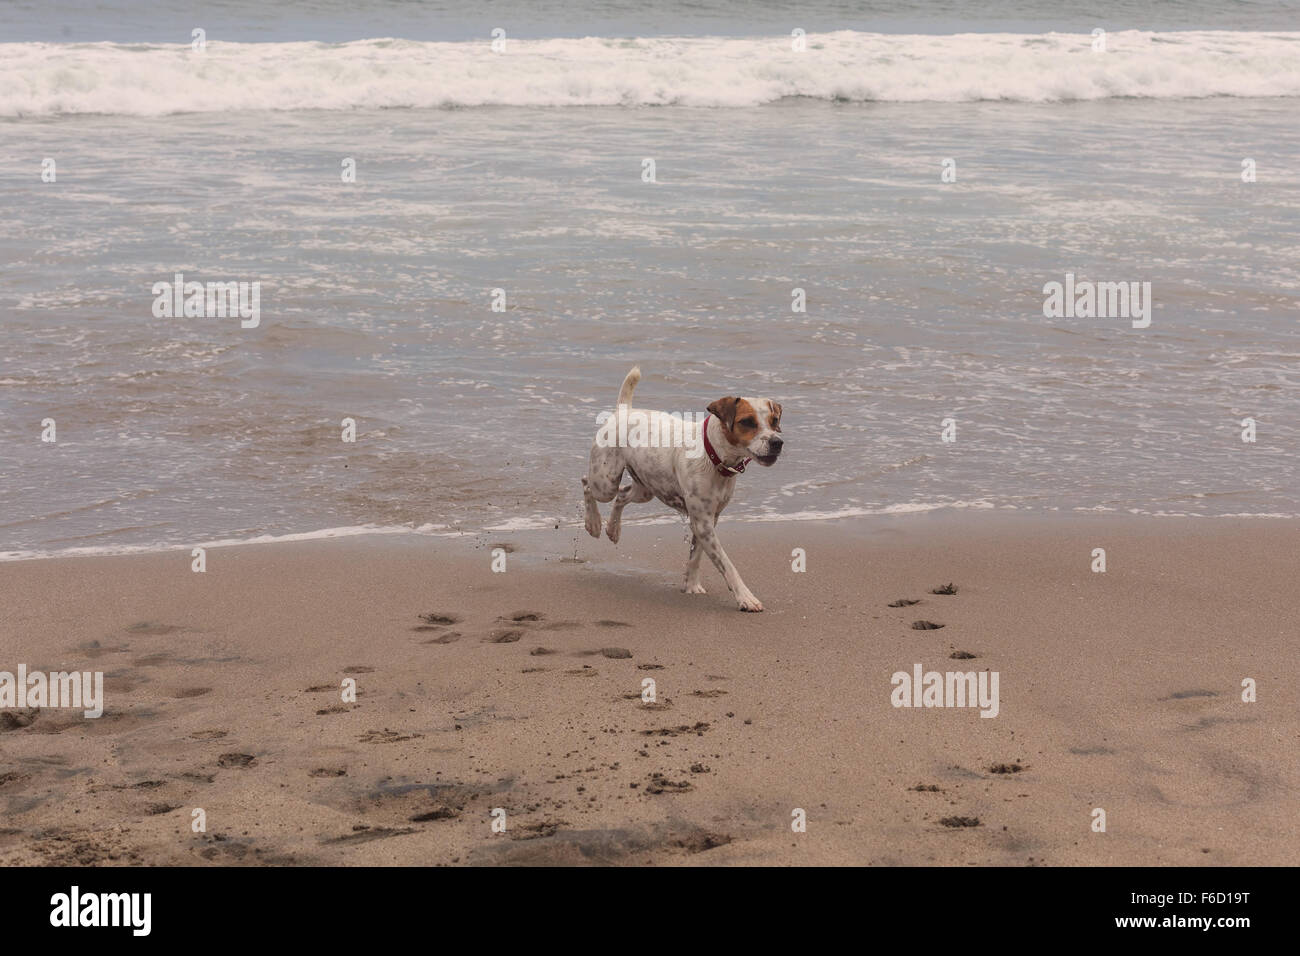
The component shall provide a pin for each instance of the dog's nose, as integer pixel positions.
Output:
(775, 444)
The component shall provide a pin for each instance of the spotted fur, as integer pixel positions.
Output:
(739, 429)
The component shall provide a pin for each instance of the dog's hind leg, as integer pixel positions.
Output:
(592, 523)
(600, 483)
(636, 494)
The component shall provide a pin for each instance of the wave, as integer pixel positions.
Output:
(44, 79)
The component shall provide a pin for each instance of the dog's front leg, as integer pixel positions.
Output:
(693, 585)
(704, 528)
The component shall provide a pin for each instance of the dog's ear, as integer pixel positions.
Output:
(776, 412)
(724, 409)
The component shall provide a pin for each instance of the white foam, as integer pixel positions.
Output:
(41, 79)
(119, 549)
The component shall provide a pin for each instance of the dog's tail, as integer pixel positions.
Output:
(629, 386)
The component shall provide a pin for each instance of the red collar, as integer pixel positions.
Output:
(725, 470)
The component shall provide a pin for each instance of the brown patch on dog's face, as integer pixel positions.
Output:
(724, 410)
(738, 419)
(753, 424)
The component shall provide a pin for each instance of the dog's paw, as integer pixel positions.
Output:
(613, 531)
(750, 603)
(693, 589)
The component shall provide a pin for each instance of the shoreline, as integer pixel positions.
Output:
(1119, 690)
(546, 525)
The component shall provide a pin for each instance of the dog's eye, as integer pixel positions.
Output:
(749, 422)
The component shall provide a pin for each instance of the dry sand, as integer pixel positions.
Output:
(1119, 690)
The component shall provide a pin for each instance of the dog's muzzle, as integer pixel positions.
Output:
(774, 446)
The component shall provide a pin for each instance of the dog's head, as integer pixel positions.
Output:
(753, 424)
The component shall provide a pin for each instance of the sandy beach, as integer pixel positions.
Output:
(523, 691)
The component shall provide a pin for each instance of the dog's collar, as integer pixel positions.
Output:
(727, 471)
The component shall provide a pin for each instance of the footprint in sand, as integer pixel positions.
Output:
(944, 589)
(605, 622)
(955, 822)
(436, 620)
(698, 728)
(451, 637)
(236, 760)
(14, 720)
(537, 831)
(438, 617)
(903, 602)
(505, 546)
(441, 813)
(925, 626)
(185, 692)
(328, 772)
(386, 736)
(661, 784)
(152, 660)
(523, 617)
(336, 709)
(93, 649)
(962, 656)
(358, 669)
(210, 734)
(1016, 767)
(702, 841)
(540, 651)
(503, 637)
(152, 628)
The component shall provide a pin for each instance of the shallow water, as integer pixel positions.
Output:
(924, 303)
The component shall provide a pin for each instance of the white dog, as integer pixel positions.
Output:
(736, 431)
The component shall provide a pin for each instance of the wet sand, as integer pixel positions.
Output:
(523, 691)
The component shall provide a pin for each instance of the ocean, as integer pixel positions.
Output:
(655, 184)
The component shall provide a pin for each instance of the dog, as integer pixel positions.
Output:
(736, 431)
